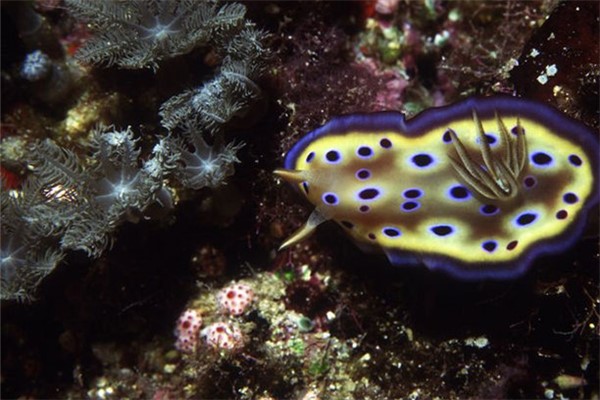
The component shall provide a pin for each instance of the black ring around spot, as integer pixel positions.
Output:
(575, 160)
(332, 156)
(488, 209)
(459, 192)
(368, 194)
(541, 158)
(446, 137)
(489, 246)
(570, 198)
(391, 232)
(363, 174)
(365, 151)
(409, 205)
(526, 219)
(422, 160)
(330, 199)
(442, 230)
(412, 193)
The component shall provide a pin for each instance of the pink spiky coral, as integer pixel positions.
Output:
(235, 298)
(188, 326)
(223, 336)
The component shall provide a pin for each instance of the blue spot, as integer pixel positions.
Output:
(541, 159)
(459, 193)
(575, 160)
(330, 198)
(442, 230)
(364, 152)
(525, 218)
(369, 194)
(446, 137)
(412, 193)
(422, 160)
(391, 232)
(515, 130)
(310, 156)
(385, 143)
(410, 206)
(570, 198)
(489, 245)
(363, 174)
(489, 209)
(333, 156)
(491, 139)
(364, 208)
(529, 182)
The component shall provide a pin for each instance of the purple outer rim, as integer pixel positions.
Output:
(485, 107)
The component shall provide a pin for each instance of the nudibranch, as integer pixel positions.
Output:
(478, 189)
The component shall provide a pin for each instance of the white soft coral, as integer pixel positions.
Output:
(139, 34)
(206, 166)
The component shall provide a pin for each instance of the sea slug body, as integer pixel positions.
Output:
(478, 189)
